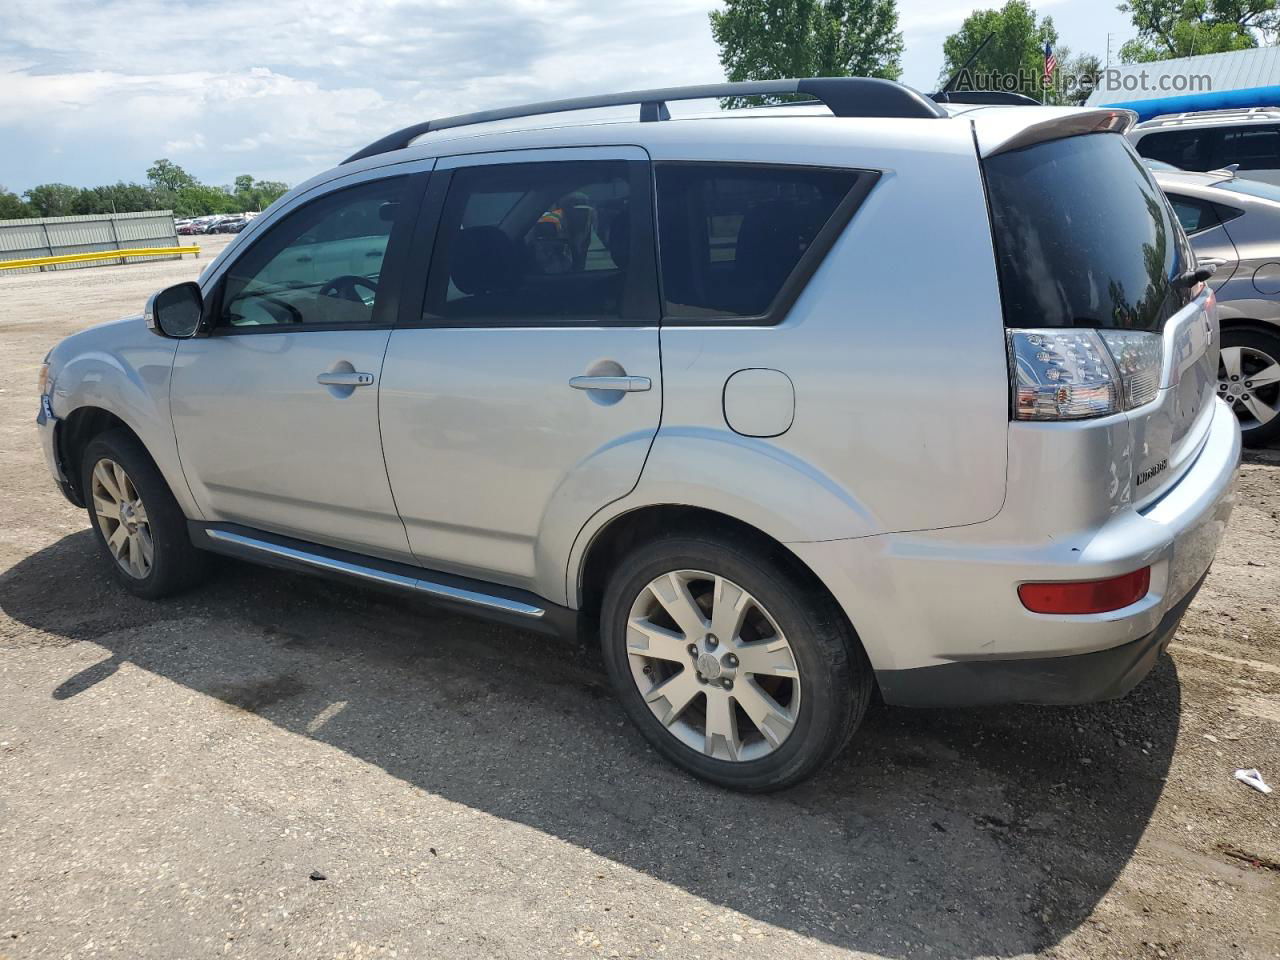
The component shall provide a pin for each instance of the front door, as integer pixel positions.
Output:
(276, 412)
(521, 392)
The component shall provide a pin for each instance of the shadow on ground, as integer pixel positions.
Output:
(976, 832)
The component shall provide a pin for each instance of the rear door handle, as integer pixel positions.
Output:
(623, 384)
(345, 379)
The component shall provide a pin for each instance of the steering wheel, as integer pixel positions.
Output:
(344, 288)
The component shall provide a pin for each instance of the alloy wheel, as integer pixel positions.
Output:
(713, 665)
(122, 518)
(1249, 380)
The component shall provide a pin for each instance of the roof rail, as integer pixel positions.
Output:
(844, 96)
(989, 98)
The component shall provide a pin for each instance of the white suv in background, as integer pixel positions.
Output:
(787, 405)
(1247, 141)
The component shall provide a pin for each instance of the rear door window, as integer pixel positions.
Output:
(1184, 149)
(541, 243)
(731, 235)
(1251, 148)
(1084, 237)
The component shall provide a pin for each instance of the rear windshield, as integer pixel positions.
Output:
(1083, 237)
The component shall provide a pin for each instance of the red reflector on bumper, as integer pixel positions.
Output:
(1086, 596)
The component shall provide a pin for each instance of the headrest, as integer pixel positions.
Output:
(619, 240)
(483, 260)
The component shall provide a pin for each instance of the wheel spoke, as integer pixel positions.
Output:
(728, 609)
(673, 593)
(122, 482)
(771, 658)
(140, 512)
(651, 640)
(772, 720)
(722, 727)
(1260, 410)
(119, 537)
(1265, 377)
(1231, 360)
(672, 697)
(107, 481)
(148, 548)
(105, 508)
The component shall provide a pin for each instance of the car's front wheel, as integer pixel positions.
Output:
(731, 664)
(136, 521)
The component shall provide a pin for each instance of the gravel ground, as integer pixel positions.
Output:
(272, 766)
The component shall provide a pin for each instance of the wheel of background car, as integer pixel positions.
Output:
(730, 663)
(344, 287)
(136, 521)
(1249, 380)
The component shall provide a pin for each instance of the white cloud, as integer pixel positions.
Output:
(95, 91)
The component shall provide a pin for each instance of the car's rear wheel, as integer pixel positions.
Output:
(1249, 380)
(732, 664)
(136, 521)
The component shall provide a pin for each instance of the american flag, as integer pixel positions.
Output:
(1050, 64)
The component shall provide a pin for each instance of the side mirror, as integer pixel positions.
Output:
(175, 311)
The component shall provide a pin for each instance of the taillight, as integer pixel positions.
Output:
(1073, 374)
(1086, 596)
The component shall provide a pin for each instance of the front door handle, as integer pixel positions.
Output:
(622, 384)
(352, 379)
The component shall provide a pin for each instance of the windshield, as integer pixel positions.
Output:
(1084, 237)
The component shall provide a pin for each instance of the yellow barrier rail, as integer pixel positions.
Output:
(120, 255)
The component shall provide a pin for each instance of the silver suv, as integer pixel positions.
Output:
(791, 404)
(1244, 140)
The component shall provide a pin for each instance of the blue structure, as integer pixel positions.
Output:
(1215, 81)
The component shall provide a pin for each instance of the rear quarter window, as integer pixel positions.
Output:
(730, 236)
(1084, 237)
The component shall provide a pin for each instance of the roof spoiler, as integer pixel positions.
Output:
(843, 96)
(1001, 133)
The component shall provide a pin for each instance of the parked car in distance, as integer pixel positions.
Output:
(685, 386)
(1207, 140)
(1234, 225)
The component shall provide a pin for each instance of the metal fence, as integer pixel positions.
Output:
(55, 236)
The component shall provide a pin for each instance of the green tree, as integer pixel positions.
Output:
(772, 39)
(1083, 71)
(53, 199)
(1013, 60)
(118, 197)
(199, 199)
(1184, 28)
(167, 175)
(12, 207)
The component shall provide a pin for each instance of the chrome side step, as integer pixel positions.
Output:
(241, 543)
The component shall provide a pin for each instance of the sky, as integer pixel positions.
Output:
(93, 91)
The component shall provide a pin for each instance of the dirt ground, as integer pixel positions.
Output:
(175, 778)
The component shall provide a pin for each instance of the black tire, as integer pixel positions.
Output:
(1266, 343)
(833, 670)
(175, 564)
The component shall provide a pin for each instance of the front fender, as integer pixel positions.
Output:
(124, 369)
(752, 480)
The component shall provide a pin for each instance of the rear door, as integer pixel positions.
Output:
(522, 386)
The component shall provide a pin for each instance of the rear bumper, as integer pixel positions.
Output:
(938, 611)
(1084, 678)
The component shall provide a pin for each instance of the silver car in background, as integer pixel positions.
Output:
(1234, 225)
(683, 384)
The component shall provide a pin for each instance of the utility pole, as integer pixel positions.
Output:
(1109, 36)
